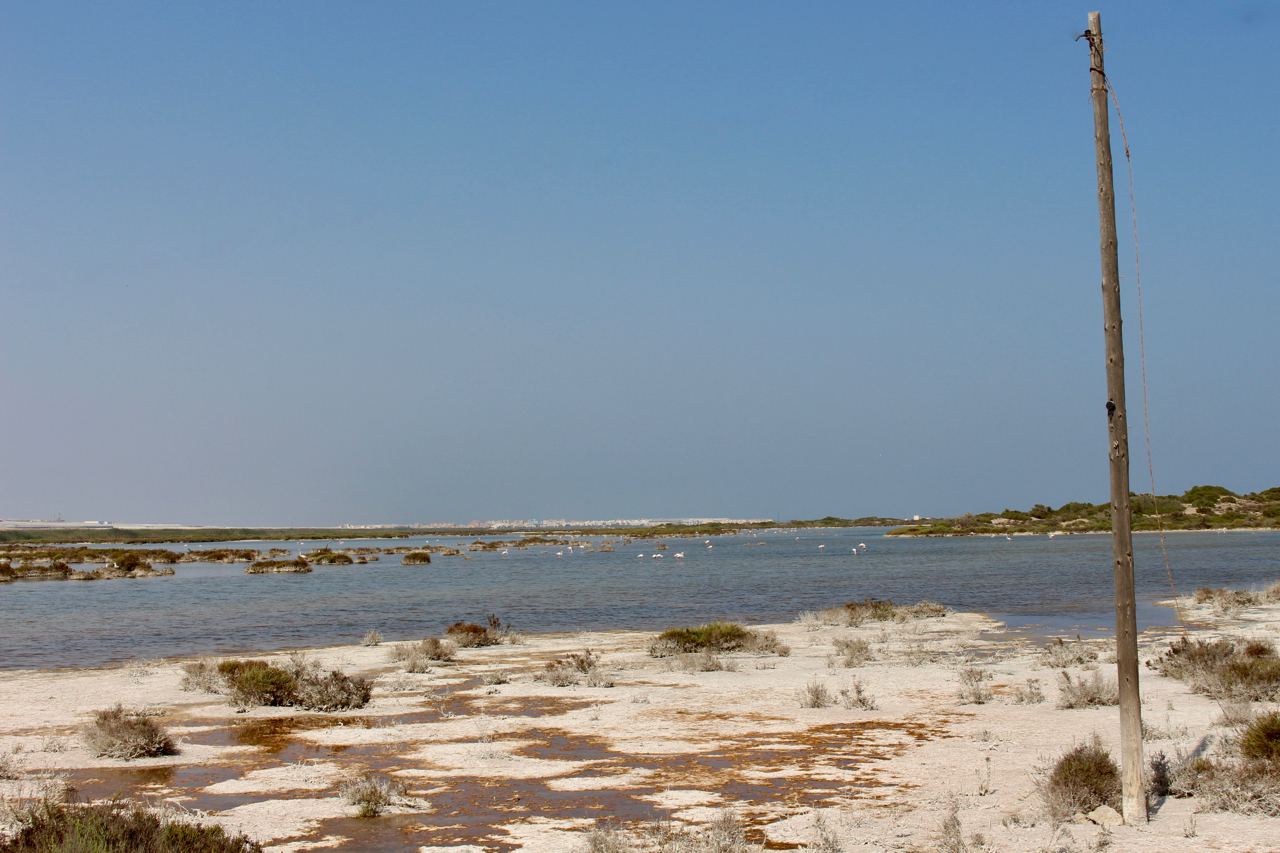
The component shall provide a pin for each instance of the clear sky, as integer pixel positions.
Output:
(271, 263)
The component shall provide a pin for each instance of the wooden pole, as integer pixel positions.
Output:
(1134, 794)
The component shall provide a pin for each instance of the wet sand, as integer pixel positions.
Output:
(513, 763)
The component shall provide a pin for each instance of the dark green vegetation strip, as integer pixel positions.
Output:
(1199, 508)
(114, 827)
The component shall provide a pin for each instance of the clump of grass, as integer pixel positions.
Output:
(1243, 786)
(12, 763)
(704, 661)
(1028, 693)
(607, 839)
(1232, 601)
(1082, 779)
(855, 613)
(417, 558)
(856, 696)
(468, 635)
(1238, 670)
(49, 826)
(765, 643)
(816, 695)
(853, 651)
(418, 657)
(201, 676)
(724, 834)
(1260, 739)
(973, 686)
(372, 638)
(494, 677)
(372, 794)
(569, 670)
(950, 833)
(1087, 692)
(716, 637)
(117, 733)
(1061, 655)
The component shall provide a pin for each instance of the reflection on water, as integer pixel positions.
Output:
(1063, 584)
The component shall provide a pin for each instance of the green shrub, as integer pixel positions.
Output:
(416, 558)
(1083, 779)
(117, 733)
(713, 636)
(332, 692)
(1261, 738)
(114, 827)
(254, 682)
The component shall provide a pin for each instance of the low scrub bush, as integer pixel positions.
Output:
(566, 671)
(416, 558)
(418, 657)
(1028, 693)
(816, 695)
(11, 763)
(201, 676)
(1087, 692)
(973, 686)
(1240, 786)
(1061, 655)
(117, 733)
(252, 683)
(1083, 779)
(716, 637)
(855, 696)
(1226, 600)
(1261, 738)
(372, 638)
(331, 692)
(372, 794)
(114, 827)
(1225, 669)
(704, 661)
(855, 613)
(765, 643)
(853, 651)
(468, 635)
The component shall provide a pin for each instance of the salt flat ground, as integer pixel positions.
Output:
(495, 759)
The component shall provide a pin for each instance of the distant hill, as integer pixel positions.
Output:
(1199, 508)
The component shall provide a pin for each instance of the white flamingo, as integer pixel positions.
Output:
(820, 547)
(657, 556)
(680, 555)
(641, 556)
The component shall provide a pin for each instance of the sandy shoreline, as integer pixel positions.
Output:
(507, 762)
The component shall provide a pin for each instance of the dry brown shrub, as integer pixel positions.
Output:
(117, 733)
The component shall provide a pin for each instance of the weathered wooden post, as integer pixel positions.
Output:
(1134, 795)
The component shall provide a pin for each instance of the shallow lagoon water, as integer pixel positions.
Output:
(1042, 585)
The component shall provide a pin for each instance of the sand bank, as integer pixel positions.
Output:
(495, 760)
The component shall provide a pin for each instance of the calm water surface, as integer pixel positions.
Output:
(1035, 583)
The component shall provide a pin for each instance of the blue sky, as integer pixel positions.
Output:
(277, 263)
